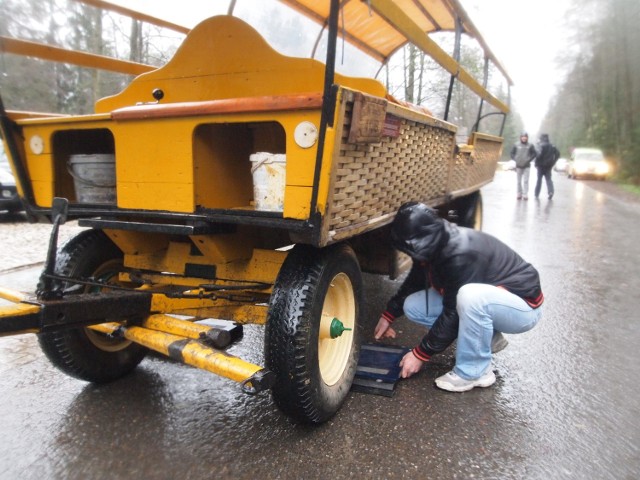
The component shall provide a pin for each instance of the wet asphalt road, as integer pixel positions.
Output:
(565, 406)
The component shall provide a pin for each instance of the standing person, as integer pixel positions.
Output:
(523, 153)
(464, 284)
(546, 158)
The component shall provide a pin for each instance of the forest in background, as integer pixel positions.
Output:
(598, 103)
(416, 78)
(31, 84)
(36, 85)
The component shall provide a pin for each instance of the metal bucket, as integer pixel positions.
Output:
(269, 172)
(94, 177)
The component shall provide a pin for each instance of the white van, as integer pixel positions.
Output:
(587, 162)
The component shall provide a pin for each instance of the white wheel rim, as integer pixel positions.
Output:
(477, 221)
(334, 353)
(99, 339)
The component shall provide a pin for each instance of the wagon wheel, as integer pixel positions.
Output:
(313, 356)
(81, 352)
(469, 211)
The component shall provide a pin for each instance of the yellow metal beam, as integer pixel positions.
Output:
(214, 336)
(57, 54)
(12, 295)
(211, 308)
(403, 24)
(183, 328)
(190, 352)
(10, 316)
(239, 310)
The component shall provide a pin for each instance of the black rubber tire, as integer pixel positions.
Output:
(293, 349)
(469, 211)
(83, 353)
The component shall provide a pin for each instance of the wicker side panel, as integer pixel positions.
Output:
(370, 181)
(463, 163)
(475, 165)
(487, 153)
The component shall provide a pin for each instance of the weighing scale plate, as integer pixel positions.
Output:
(378, 369)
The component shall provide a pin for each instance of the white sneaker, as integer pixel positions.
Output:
(453, 383)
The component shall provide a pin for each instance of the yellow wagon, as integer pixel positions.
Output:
(238, 183)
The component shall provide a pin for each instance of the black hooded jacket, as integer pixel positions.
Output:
(547, 155)
(446, 257)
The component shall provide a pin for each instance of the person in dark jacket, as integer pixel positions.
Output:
(523, 153)
(547, 157)
(463, 284)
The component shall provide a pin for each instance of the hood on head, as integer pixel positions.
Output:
(418, 231)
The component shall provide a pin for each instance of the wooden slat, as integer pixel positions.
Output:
(227, 105)
(57, 54)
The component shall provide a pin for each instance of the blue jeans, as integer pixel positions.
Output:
(546, 174)
(482, 309)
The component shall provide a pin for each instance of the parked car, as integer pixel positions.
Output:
(9, 199)
(587, 162)
(507, 165)
(561, 165)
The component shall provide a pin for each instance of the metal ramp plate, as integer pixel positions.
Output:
(378, 369)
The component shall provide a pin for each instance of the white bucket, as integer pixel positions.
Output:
(269, 172)
(94, 177)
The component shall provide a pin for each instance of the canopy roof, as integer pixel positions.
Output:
(381, 27)
(376, 36)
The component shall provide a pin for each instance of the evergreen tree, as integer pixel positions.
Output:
(599, 103)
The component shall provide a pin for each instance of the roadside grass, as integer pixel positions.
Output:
(635, 189)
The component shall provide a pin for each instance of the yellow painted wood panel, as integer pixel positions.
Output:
(297, 202)
(156, 196)
(223, 57)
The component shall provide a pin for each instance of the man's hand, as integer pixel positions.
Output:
(410, 364)
(383, 329)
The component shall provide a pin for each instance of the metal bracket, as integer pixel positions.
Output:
(258, 382)
(46, 290)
